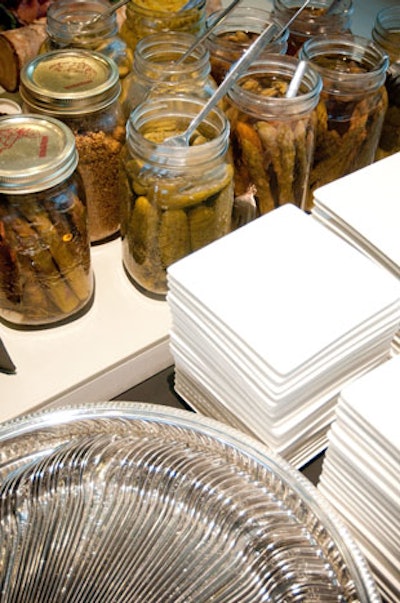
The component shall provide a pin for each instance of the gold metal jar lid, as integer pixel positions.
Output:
(70, 82)
(36, 153)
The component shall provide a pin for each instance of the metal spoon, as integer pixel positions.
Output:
(270, 32)
(295, 82)
(189, 4)
(105, 13)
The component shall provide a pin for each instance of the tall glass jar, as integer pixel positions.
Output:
(272, 136)
(233, 35)
(386, 34)
(313, 20)
(45, 267)
(146, 17)
(352, 107)
(77, 25)
(82, 89)
(159, 69)
(175, 199)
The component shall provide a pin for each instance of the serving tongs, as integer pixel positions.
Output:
(269, 34)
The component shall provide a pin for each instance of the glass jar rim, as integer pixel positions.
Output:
(61, 25)
(133, 5)
(183, 108)
(278, 66)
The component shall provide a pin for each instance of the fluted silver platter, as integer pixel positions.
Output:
(138, 502)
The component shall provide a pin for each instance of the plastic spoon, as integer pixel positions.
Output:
(270, 32)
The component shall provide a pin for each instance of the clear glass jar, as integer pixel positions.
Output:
(68, 26)
(157, 70)
(272, 137)
(352, 106)
(146, 17)
(45, 267)
(386, 34)
(82, 89)
(175, 199)
(313, 21)
(230, 38)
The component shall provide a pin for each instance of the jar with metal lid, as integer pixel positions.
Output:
(386, 34)
(146, 17)
(314, 20)
(233, 35)
(352, 106)
(160, 68)
(86, 24)
(272, 136)
(82, 89)
(175, 199)
(45, 267)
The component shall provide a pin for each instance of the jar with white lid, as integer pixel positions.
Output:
(87, 24)
(160, 68)
(386, 34)
(146, 17)
(175, 199)
(45, 266)
(82, 89)
(313, 20)
(233, 35)
(352, 106)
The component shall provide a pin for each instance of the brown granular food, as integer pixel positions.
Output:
(98, 165)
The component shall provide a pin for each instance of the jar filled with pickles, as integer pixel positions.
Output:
(87, 24)
(82, 89)
(162, 67)
(386, 34)
(45, 267)
(272, 135)
(175, 198)
(316, 19)
(352, 106)
(234, 34)
(146, 17)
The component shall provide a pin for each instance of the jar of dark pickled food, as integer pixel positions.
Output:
(272, 136)
(45, 268)
(146, 17)
(314, 20)
(234, 34)
(161, 67)
(82, 89)
(352, 106)
(386, 34)
(175, 199)
(87, 24)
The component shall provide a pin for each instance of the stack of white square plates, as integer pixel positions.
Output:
(360, 472)
(364, 209)
(270, 321)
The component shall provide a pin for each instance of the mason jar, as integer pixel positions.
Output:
(146, 17)
(45, 268)
(86, 24)
(313, 20)
(82, 89)
(160, 68)
(352, 106)
(272, 136)
(386, 34)
(234, 34)
(175, 199)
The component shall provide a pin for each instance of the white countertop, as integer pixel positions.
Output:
(120, 341)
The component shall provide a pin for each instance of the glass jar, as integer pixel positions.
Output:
(175, 199)
(45, 267)
(158, 70)
(82, 89)
(146, 17)
(233, 35)
(352, 106)
(386, 34)
(272, 136)
(68, 25)
(313, 21)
